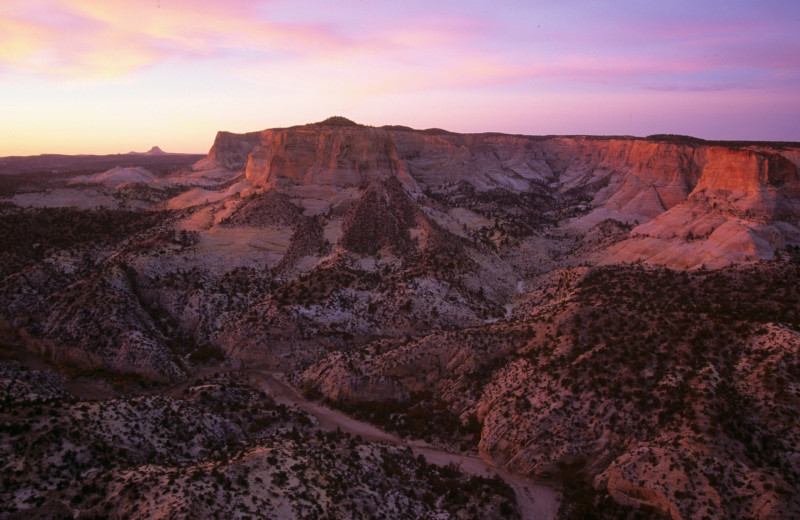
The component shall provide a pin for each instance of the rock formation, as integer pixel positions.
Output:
(670, 191)
(581, 308)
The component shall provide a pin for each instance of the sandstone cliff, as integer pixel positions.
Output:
(691, 190)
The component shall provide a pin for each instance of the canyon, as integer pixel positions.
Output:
(615, 316)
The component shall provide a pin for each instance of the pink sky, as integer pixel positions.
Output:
(100, 76)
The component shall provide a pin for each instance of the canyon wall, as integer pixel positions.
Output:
(691, 204)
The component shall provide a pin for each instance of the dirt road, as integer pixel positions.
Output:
(537, 501)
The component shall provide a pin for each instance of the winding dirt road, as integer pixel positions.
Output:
(536, 501)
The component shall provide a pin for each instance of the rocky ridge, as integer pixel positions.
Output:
(692, 203)
(222, 447)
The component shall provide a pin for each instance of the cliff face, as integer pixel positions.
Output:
(725, 200)
(743, 207)
(352, 156)
(626, 174)
(325, 156)
(232, 150)
(746, 171)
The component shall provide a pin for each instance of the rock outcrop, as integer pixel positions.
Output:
(645, 383)
(324, 155)
(628, 179)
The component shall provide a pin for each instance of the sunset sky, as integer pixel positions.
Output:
(108, 76)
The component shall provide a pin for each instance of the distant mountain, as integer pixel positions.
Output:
(155, 157)
(114, 177)
(152, 151)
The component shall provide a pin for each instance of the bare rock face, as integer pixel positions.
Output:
(746, 171)
(634, 181)
(232, 150)
(436, 159)
(325, 155)
(743, 208)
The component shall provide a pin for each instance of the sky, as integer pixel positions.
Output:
(111, 76)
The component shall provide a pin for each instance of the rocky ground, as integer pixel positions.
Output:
(221, 449)
(619, 314)
(654, 387)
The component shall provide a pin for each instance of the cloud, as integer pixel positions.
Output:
(98, 39)
(380, 49)
(704, 87)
